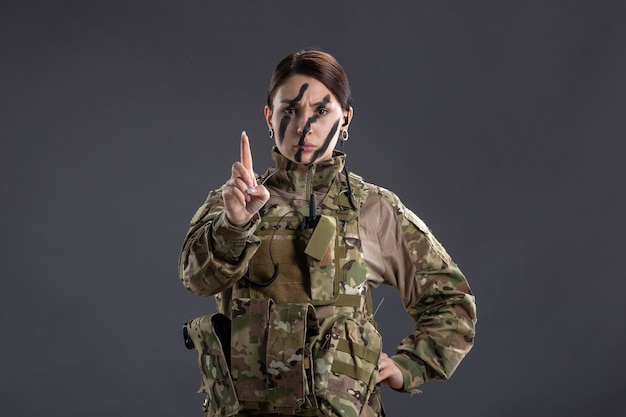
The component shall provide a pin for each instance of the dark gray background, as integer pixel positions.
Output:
(500, 123)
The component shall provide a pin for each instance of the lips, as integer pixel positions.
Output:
(307, 147)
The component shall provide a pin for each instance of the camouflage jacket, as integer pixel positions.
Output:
(398, 249)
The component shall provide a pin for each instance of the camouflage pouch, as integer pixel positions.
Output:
(209, 335)
(248, 347)
(346, 360)
(288, 361)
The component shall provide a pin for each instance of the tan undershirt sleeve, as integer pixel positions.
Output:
(385, 250)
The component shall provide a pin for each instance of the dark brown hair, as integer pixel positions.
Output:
(317, 64)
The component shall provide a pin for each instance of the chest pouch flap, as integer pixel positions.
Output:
(321, 238)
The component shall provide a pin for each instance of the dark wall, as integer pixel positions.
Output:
(500, 123)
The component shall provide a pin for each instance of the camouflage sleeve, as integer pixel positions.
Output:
(215, 253)
(436, 295)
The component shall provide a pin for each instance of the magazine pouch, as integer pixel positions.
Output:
(248, 346)
(210, 337)
(345, 363)
(289, 375)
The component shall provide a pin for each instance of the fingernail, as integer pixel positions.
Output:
(251, 190)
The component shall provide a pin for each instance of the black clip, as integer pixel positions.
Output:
(188, 341)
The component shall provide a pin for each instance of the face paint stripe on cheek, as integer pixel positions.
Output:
(329, 138)
(298, 156)
(283, 128)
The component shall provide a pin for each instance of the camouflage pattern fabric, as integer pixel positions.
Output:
(445, 316)
(289, 354)
(216, 255)
(346, 365)
(221, 398)
(271, 355)
(248, 348)
(343, 358)
(342, 269)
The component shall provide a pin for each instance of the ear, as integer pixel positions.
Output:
(347, 117)
(267, 112)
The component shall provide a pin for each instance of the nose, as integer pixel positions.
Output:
(303, 122)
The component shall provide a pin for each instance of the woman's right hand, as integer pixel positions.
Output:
(243, 198)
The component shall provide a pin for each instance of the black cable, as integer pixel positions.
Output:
(350, 193)
(276, 265)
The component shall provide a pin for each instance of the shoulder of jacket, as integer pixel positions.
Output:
(400, 210)
(383, 194)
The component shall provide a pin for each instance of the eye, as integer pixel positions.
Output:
(322, 111)
(289, 111)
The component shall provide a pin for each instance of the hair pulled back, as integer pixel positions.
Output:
(317, 64)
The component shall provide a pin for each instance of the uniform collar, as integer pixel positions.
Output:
(290, 176)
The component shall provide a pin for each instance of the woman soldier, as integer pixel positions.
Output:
(292, 256)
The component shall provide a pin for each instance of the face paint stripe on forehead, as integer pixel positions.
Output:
(299, 96)
(324, 101)
(284, 122)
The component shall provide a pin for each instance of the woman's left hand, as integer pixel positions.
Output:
(389, 373)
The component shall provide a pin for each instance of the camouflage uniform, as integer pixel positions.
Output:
(396, 249)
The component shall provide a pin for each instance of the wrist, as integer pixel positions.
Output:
(242, 228)
(412, 373)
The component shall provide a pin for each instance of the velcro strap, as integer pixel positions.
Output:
(347, 300)
(350, 370)
(358, 350)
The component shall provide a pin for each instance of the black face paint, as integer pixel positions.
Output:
(313, 119)
(284, 122)
(307, 128)
(326, 144)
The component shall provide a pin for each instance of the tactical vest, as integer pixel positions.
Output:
(296, 335)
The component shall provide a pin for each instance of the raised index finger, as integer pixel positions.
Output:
(246, 156)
